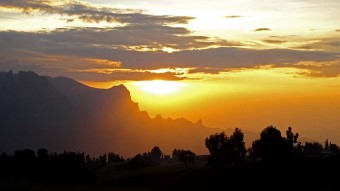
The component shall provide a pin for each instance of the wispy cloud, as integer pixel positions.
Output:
(233, 16)
(89, 13)
(284, 37)
(261, 29)
(274, 41)
(325, 44)
(319, 69)
(94, 74)
(136, 37)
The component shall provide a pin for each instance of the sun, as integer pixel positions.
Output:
(159, 87)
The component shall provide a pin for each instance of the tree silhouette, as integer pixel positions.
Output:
(43, 155)
(187, 157)
(256, 150)
(326, 145)
(333, 148)
(147, 158)
(291, 140)
(113, 158)
(25, 157)
(271, 146)
(224, 150)
(312, 148)
(176, 153)
(156, 154)
(239, 149)
(218, 148)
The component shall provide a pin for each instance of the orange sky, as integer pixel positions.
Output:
(246, 64)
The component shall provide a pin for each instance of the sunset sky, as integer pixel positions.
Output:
(246, 63)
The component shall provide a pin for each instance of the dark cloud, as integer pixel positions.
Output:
(206, 70)
(327, 44)
(89, 13)
(115, 53)
(261, 29)
(233, 16)
(274, 41)
(287, 36)
(337, 30)
(93, 75)
(72, 52)
(80, 68)
(79, 52)
(128, 37)
(320, 69)
(334, 43)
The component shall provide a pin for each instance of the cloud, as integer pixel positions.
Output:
(334, 43)
(233, 16)
(261, 29)
(80, 68)
(206, 70)
(319, 69)
(89, 13)
(127, 74)
(136, 37)
(325, 44)
(85, 55)
(115, 53)
(284, 37)
(337, 30)
(274, 41)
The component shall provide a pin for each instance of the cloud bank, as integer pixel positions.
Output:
(133, 50)
(89, 13)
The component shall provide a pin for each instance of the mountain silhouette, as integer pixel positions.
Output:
(34, 114)
(62, 114)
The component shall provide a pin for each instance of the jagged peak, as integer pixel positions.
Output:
(199, 122)
(120, 86)
(158, 116)
(27, 73)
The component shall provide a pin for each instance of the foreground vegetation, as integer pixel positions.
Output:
(273, 162)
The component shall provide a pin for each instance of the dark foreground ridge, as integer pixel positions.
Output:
(69, 171)
(272, 163)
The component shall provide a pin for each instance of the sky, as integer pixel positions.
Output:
(246, 63)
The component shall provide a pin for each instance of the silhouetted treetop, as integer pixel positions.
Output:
(224, 150)
(187, 157)
(271, 146)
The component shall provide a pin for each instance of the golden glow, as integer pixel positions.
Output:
(247, 98)
(102, 85)
(221, 100)
(159, 87)
(168, 49)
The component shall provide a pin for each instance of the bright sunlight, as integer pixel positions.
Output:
(159, 87)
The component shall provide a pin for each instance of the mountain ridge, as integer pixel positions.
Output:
(62, 114)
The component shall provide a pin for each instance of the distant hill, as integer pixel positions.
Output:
(62, 114)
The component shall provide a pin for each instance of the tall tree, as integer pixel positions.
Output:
(156, 153)
(291, 139)
(239, 149)
(224, 150)
(271, 146)
(187, 157)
